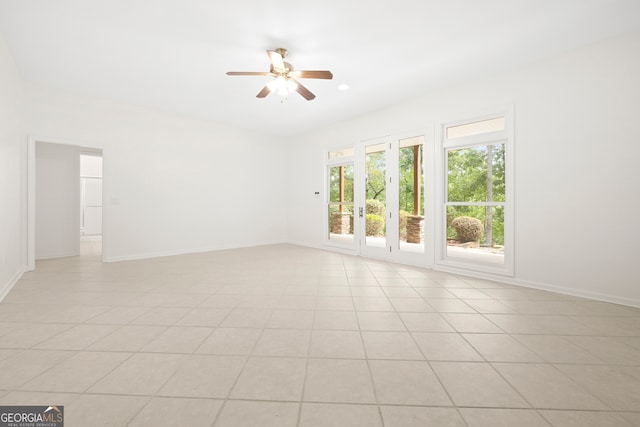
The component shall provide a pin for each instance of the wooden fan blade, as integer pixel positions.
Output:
(248, 73)
(314, 74)
(276, 60)
(264, 92)
(306, 93)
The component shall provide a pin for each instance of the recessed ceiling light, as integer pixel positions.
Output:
(343, 86)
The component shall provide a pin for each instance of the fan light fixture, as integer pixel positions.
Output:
(282, 85)
(285, 79)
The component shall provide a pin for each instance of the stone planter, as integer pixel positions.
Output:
(341, 222)
(415, 225)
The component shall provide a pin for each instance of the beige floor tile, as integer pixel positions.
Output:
(390, 345)
(471, 323)
(477, 384)
(445, 347)
(142, 374)
(291, 319)
(336, 320)
(283, 342)
(204, 317)
(296, 302)
(333, 303)
(204, 376)
(333, 415)
(77, 338)
(76, 373)
(518, 324)
(238, 341)
(336, 344)
(103, 410)
(36, 398)
(380, 321)
(338, 381)
(470, 294)
(29, 335)
(632, 417)
(449, 305)
(367, 291)
(271, 378)
(585, 419)
(171, 412)
(426, 322)
(556, 349)
(165, 316)
(334, 291)
(118, 315)
(610, 350)
(372, 304)
(490, 306)
(407, 383)
(26, 365)
(411, 305)
(434, 292)
(128, 338)
(400, 292)
(501, 348)
(222, 301)
(6, 353)
(476, 417)
(617, 386)
(178, 339)
(246, 318)
(546, 387)
(253, 414)
(415, 416)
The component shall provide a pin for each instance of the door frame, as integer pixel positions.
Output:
(31, 192)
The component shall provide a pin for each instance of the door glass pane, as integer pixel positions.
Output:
(411, 195)
(376, 195)
(476, 233)
(340, 205)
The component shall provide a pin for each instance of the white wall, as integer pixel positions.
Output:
(57, 219)
(577, 178)
(12, 170)
(171, 185)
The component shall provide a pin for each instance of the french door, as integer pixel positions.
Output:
(391, 200)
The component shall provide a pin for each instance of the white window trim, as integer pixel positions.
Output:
(507, 137)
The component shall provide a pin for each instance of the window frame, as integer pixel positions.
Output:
(506, 137)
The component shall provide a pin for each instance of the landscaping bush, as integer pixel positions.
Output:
(375, 207)
(375, 225)
(468, 229)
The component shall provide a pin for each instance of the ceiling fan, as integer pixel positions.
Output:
(285, 78)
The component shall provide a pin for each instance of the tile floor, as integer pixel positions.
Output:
(290, 336)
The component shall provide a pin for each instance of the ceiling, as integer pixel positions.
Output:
(172, 55)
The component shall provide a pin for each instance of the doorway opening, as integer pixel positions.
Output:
(64, 203)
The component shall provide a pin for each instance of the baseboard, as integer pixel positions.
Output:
(190, 251)
(6, 288)
(54, 256)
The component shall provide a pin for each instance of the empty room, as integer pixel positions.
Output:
(320, 214)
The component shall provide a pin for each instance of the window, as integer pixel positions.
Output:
(475, 224)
